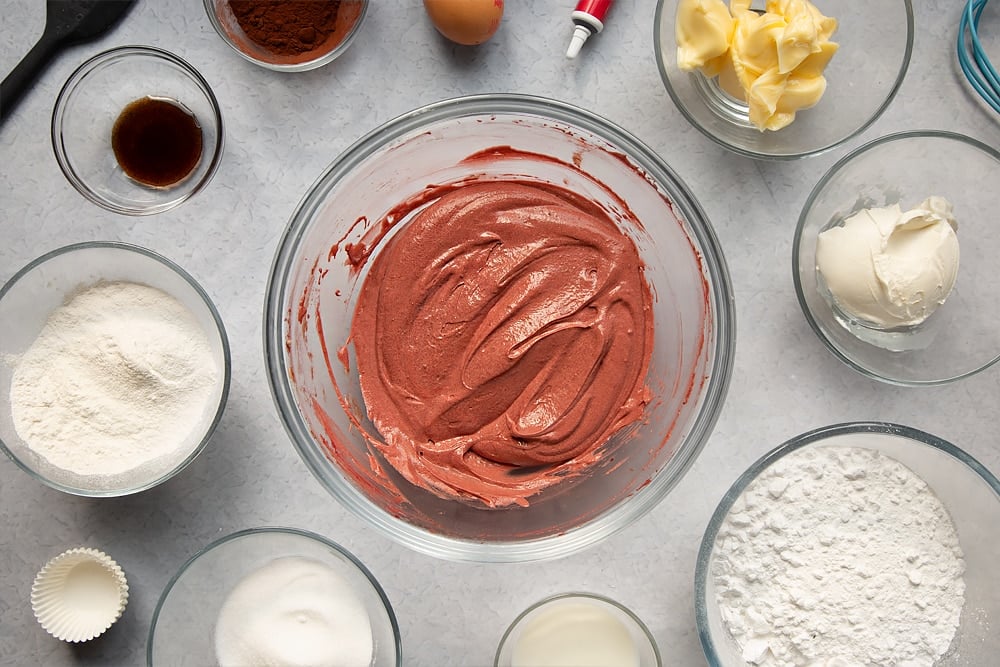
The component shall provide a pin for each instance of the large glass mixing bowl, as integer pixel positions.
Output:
(352, 212)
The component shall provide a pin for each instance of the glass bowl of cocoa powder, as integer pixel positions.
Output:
(287, 35)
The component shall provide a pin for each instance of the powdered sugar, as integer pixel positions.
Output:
(117, 386)
(839, 556)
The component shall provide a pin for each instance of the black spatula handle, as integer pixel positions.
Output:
(27, 71)
(66, 22)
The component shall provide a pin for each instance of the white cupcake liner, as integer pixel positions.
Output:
(79, 594)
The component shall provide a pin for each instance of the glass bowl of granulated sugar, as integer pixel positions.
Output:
(854, 544)
(274, 596)
(114, 369)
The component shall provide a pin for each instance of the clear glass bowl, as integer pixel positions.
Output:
(960, 338)
(968, 491)
(320, 401)
(642, 639)
(862, 79)
(182, 631)
(30, 296)
(220, 14)
(91, 101)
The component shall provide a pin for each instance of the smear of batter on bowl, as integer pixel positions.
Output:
(502, 336)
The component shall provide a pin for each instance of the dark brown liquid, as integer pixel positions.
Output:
(157, 141)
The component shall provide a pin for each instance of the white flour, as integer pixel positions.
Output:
(839, 557)
(116, 384)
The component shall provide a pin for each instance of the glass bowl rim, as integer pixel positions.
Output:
(304, 66)
(226, 363)
(760, 155)
(707, 546)
(603, 599)
(616, 518)
(817, 189)
(124, 52)
(268, 530)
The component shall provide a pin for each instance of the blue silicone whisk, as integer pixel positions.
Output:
(972, 58)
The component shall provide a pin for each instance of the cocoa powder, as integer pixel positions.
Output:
(295, 30)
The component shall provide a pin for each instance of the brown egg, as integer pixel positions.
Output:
(466, 22)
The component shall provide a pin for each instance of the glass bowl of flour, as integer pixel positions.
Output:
(274, 596)
(114, 369)
(854, 544)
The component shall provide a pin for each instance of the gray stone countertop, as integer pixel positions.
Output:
(282, 131)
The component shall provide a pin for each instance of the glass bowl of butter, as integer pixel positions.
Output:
(782, 79)
(893, 258)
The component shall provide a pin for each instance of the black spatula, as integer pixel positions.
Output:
(67, 22)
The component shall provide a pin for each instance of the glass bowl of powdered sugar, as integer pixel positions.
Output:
(854, 544)
(274, 596)
(114, 369)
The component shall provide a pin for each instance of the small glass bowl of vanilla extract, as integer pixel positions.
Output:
(137, 130)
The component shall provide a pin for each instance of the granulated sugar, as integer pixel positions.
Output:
(839, 556)
(293, 611)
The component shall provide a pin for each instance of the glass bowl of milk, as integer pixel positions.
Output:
(580, 629)
(274, 596)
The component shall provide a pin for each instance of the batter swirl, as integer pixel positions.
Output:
(502, 336)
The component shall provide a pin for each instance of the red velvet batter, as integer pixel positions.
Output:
(502, 336)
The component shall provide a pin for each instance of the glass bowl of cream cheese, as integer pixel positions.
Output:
(893, 258)
(274, 596)
(782, 79)
(499, 328)
(863, 543)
